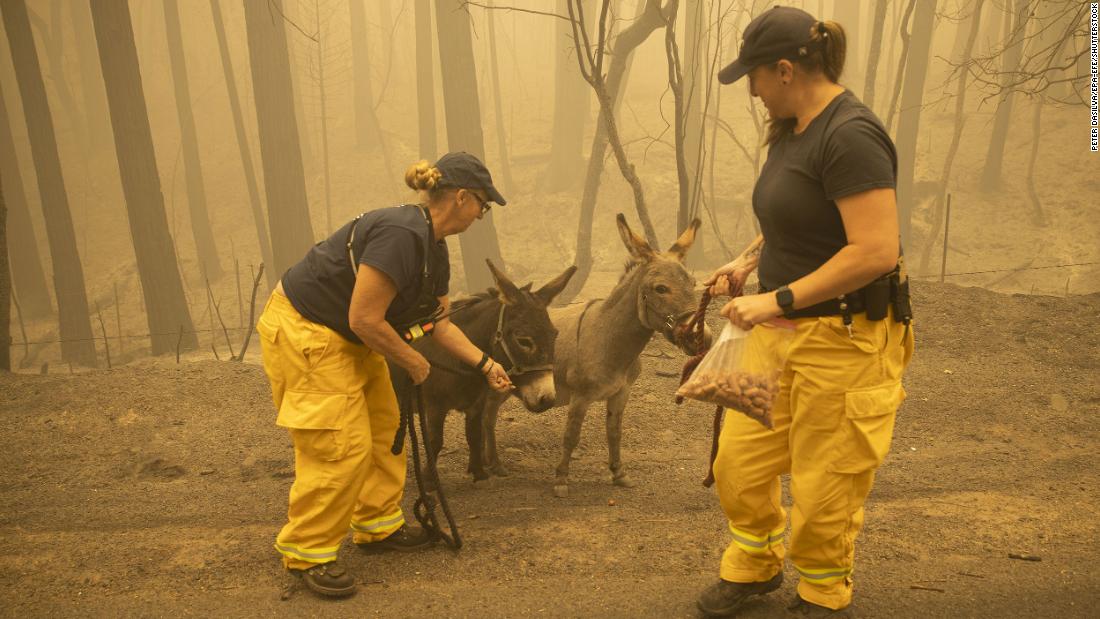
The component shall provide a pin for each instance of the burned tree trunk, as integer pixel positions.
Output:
(877, 26)
(994, 157)
(647, 20)
(367, 130)
(242, 139)
(26, 265)
(570, 110)
(963, 58)
(165, 305)
(189, 143)
(77, 345)
(464, 132)
(694, 102)
(91, 79)
(498, 109)
(297, 85)
(425, 85)
(905, 36)
(284, 177)
(909, 119)
(5, 287)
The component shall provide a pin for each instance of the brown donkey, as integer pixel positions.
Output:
(599, 344)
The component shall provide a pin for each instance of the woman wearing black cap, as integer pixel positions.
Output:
(328, 329)
(829, 261)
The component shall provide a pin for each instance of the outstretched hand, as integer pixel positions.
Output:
(731, 277)
(497, 378)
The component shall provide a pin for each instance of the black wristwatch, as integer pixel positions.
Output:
(785, 298)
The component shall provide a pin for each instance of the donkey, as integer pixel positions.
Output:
(513, 326)
(600, 343)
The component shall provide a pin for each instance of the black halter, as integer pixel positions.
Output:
(517, 368)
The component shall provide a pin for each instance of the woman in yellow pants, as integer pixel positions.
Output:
(829, 260)
(328, 329)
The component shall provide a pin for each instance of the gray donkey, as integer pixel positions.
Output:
(599, 345)
(513, 326)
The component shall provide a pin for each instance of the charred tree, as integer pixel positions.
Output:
(26, 263)
(326, 170)
(189, 143)
(903, 59)
(367, 129)
(258, 216)
(5, 287)
(165, 304)
(425, 85)
(912, 99)
(464, 131)
(77, 345)
(1013, 52)
(969, 35)
(647, 20)
(96, 118)
(284, 176)
(297, 85)
(52, 41)
(571, 95)
(498, 108)
(878, 24)
(692, 103)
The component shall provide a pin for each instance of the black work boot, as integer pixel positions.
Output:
(405, 539)
(724, 598)
(328, 579)
(802, 608)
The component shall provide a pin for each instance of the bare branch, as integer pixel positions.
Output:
(516, 9)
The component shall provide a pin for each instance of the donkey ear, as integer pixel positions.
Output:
(637, 246)
(554, 287)
(680, 248)
(506, 290)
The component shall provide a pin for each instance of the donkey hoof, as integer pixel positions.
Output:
(480, 476)
(500, 471)
(623, 481)
(561, 491)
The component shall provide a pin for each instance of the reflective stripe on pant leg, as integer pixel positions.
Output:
(309, 555)
(379, 497)
(378, 527)
(756, 545)
(844, 396)
(746, 471)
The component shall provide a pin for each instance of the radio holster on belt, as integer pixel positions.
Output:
(875, 299)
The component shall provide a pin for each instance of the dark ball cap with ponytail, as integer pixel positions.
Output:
(780, 33)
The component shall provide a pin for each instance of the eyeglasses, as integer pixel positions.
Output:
(485, 205)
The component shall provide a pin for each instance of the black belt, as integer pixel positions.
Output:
(855, 301)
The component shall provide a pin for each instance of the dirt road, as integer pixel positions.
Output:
(156, 490)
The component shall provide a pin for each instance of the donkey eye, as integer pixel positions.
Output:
(526, 343)
(661, 289)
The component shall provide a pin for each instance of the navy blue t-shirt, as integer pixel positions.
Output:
(843, 151)
(391, 240)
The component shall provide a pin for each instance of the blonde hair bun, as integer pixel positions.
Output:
(422, 176)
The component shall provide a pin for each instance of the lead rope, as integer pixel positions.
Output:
(694, 329)
(424, 507)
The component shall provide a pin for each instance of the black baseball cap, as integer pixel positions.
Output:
(466, 171)
(774, 35)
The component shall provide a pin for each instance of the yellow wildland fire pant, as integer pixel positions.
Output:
(336, 400)
(834, 418)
